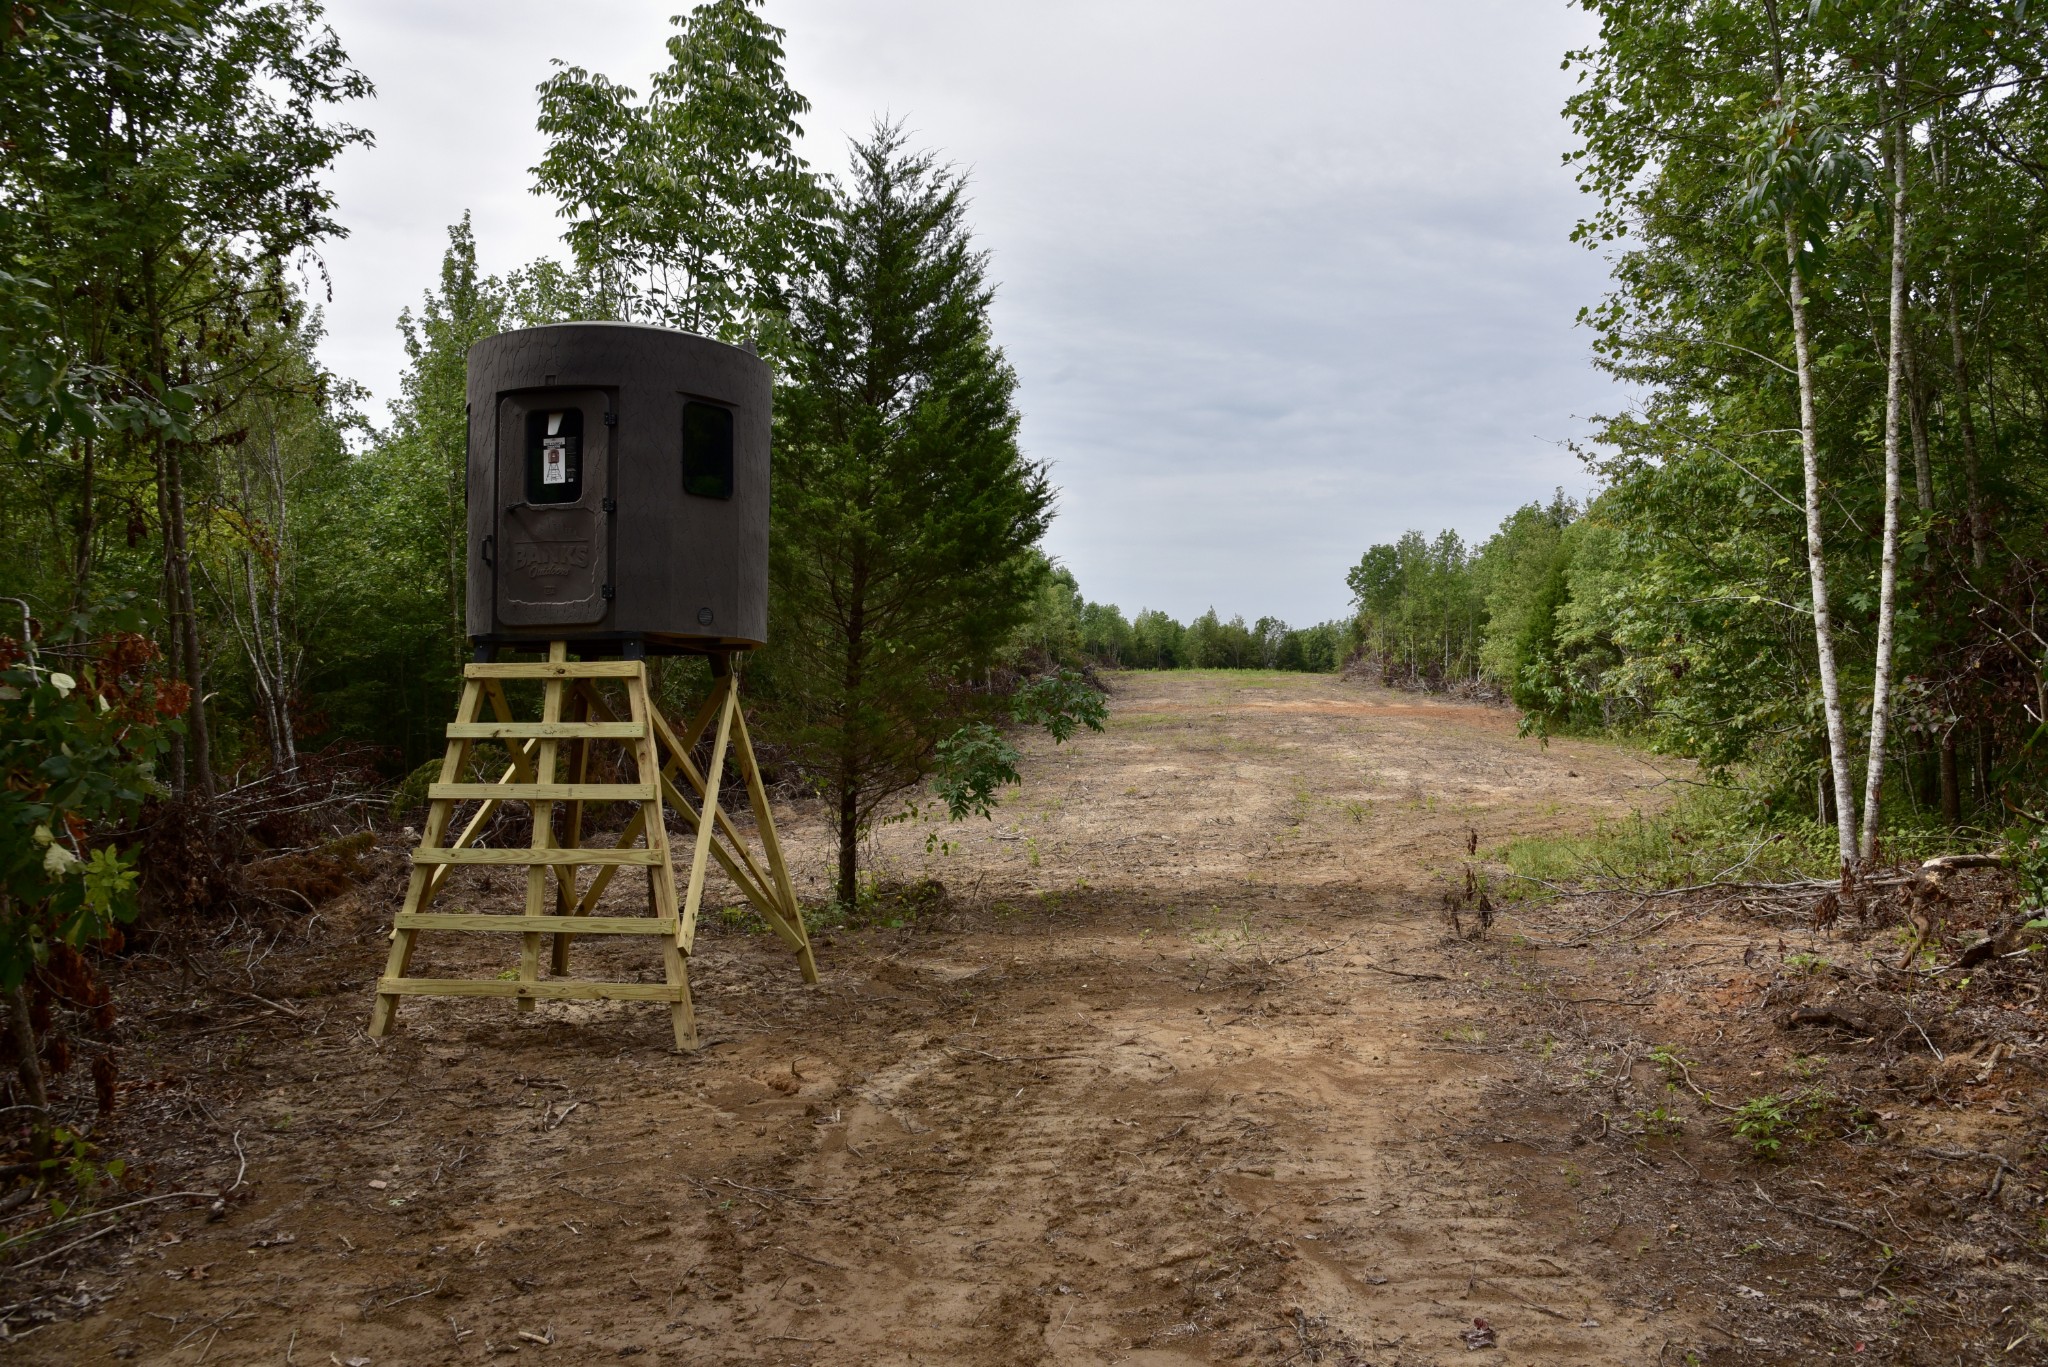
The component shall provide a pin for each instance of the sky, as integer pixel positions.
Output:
(1280, 281)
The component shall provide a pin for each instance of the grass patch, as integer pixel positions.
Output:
(1707, 835)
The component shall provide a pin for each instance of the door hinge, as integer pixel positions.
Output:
(605, 593)
(610, 505)
(611, 420)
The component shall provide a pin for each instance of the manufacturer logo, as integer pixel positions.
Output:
(550, 559)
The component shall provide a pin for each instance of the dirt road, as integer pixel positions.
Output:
(1177, 1069)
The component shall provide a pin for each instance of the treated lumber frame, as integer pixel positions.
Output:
(575, 715)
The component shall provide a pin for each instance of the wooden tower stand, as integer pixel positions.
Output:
(575, 719)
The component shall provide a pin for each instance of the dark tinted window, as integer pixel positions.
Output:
(554, 456)
(707, 450)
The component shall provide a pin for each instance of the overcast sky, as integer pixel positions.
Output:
(1280, 280)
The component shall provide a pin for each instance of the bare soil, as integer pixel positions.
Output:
(1177, 1061)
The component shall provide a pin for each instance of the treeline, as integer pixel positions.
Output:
(1818, 555)
(249, 584)
(1517, 617)
(1066, 629)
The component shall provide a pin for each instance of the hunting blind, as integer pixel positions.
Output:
(618, 508)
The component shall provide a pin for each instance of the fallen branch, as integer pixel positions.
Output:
(30, 1236)
(1413, 977)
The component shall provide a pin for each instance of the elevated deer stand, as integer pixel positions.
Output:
(575, 715)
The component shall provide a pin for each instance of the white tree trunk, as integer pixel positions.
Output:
(1816, 563)
(1888, 574)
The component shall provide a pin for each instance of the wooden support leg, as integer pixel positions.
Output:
(565, 892)
(681, 1014)
(543, 824)
(700, 855)
(666, 770)
(647, 764)
(771, 848)
(453, 761)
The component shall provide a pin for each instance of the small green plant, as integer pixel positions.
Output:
(1660, 1121)
(1669, 1061)
(1807, 965)
(1761, 1122)
(1765, 1123)
(740, 918)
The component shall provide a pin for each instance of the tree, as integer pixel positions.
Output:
(164, 164)
(689, 207)
(905, 517)
(393, 540)
(1764, 292)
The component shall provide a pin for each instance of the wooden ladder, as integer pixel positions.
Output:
(660, 756)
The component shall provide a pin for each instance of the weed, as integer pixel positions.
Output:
(1660, 1121)
(741, 919)
(1761, 1123)
(1707, 834)
(1765, 1123)
(1807, 965)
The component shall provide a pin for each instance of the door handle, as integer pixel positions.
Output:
(487, 550)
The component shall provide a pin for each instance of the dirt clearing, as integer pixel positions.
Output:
(1175, 1062)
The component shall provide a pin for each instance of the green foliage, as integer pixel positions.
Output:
(971, 765)
(165, 165)
(1761, 1122)
(1060, 702)
(1767, 1123)
(1421, 612)
(689, 207)
(1709, 134)
(906, 520)
(1064, 628)
(77, 757)
(1708, 833)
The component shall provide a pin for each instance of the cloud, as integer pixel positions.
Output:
(1279, 281)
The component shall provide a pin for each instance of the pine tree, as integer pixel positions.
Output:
(905, 516)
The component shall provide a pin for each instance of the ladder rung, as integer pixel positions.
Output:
(538, 925)
(545, 669)
(551, 857)
(547, 730)
(542, 792)
(553, 989)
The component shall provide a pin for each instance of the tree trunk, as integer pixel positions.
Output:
(850, 743)
(849, 839)
(1951, 788)
(86, 528)
(1916, 416)
(27, 1063)
(1888, 570)
(1816, 562)
(1972, 494)
(177, 550)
